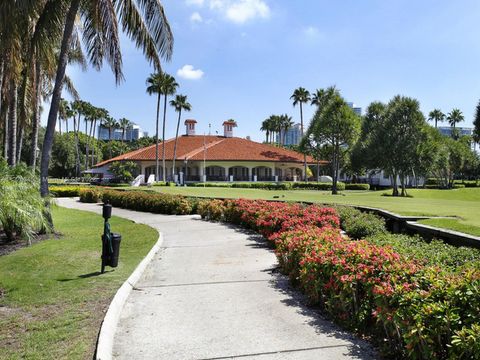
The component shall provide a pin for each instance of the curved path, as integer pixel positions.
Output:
(213, 292)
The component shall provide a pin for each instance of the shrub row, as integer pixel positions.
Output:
(416, 301)
(357, 186)
(358, 224)
(284, 185)
(65, 191)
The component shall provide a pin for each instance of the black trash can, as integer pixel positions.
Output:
(110, 258)
(116, 239)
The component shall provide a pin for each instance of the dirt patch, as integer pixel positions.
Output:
(7, 247)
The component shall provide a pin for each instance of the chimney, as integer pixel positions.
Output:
(190, 124)
(228, 128)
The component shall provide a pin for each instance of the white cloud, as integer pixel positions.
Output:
(195, 2)
(189, 73)
(196, 17)
(241, 11)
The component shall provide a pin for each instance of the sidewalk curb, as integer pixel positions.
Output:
(104, 349)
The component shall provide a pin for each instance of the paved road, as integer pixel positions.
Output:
(213, 292)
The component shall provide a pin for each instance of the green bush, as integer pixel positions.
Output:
(22, 209)
(323, 186)
(358, 224)
(65, 191)
(90, 195)
(435, 252)
(357, 187)
(458, 186)
(211, 184)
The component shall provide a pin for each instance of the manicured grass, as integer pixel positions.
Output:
(54, 296)
(461, 203)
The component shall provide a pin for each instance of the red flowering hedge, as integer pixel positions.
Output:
(413, 309)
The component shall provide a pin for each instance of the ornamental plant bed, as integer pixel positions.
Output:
(412, 303)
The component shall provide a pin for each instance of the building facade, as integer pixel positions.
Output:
(201, 158)
(131, 134)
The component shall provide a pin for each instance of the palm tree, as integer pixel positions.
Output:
(286, 124)
(454, 117)
(111, 124)
(161, 84)
(144, 21)
(476, 125)
(124, 124)
(179, 103)
(436, 115)
(266, 126)
(301, 96)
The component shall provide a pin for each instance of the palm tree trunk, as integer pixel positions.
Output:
(12, 124)
(156, 140)
(87, 150)
(56, 95)
(36, 115)
(60, 126)
(163, 136)
(110, 141)
(93, 147)
(77, 150)
(21, 133)
(4, 116)
(66, 124)
(175, 146)
(301, 134)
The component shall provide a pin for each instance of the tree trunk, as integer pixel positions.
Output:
(394, 184)
(93, 138)
(77, 150)
(21, 133)
(12, 124)
(87, 151)
(301, 134)
(334, 168)
(163, 136)
(175, 146)
(60, 127)
(110, 141)
(3, 114)
(36, 115)
(56, 95)
(318, 170)
(157, 172)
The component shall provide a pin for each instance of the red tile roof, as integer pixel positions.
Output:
(218, 148)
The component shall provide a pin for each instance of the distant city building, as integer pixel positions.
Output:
(356, 109)
(131, 134)
(462, 131)
(293, 136)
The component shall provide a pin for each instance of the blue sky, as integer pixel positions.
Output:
(247, 56)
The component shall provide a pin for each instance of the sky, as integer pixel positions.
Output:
(242, 59)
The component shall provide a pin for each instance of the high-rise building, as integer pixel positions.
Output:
(356, 109)
(461, 131)
(131, 134)
(293, 136)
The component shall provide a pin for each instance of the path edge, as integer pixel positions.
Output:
(104, 350)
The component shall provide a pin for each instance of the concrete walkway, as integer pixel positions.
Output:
(213, 292)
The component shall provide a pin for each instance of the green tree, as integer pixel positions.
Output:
(476, 125)
(111, 124)
(124, 124)
(454, 117)
(143, 21)
(286, 124)
(436, 115)
(161, 84)
(336, 125)
(125, 171)
(179, 103)
(301, 96)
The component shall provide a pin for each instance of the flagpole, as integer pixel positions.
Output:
(204, 159)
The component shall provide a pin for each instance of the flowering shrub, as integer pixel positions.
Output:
(418, 302)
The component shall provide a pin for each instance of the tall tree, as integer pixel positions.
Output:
(301, 96)
(436, 115)
(143, 21)
(454, 117)
(111, 124)
(286, 124)
(266, 126)
(124, 124)
(476, 125)
(335, 125)
(161, 84)
(180, 104)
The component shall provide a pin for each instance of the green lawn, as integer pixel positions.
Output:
(53, 296)
(461, 203)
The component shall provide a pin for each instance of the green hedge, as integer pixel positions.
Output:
(358, 224)
(65, 191)
(326, 186)
(357, 186)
